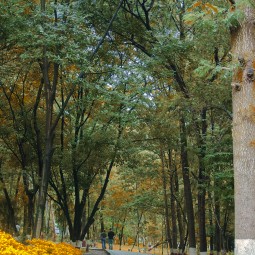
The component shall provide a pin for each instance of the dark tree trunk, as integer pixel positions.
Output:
(180, 217)
(28, 227)
(167, 215)
(121, 232)
(50, 91)
(202, 180)
(10, 213)
(211, 242)
(217, 235)
(187, 189)
(172, 170)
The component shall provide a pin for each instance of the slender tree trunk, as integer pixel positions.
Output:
(224, 238)
(121, 232)
(43, 190)
(217, 232)
(172, 170)
(179, 212)
(243, 48)
(202, 179)
(211, 242)
(139, 220)
(48, 142)
(187, 189)
(168, 231)
(174, 225)
(48, 151)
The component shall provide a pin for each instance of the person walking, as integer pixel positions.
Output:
(110, 239)
(103, 239)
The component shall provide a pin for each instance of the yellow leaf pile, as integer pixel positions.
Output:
(9, 246)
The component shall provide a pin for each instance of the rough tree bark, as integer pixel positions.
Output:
(243, 86)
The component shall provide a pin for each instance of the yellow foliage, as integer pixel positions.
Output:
(196, 4)
(130, 241)
(47, 247)
(212, 7)
(9, 246)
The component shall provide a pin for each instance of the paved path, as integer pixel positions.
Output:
(116, 252)
(95, 251)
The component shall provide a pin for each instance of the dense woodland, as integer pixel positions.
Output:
(118, 113)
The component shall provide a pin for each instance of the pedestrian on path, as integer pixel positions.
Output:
(110, 239)
(103, 239)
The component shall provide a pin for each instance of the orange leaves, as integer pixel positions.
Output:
(195, 5)
(119, 196)
(211, 7)
(200, 10)
(207, 7)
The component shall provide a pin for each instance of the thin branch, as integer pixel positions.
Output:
(82, 74)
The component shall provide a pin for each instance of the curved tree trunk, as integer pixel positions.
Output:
(243, 48)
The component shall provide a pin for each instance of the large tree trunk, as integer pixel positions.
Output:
(243, 48)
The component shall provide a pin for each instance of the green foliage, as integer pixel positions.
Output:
(154, 65)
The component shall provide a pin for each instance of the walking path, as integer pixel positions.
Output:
(96, 251)
(116, 252)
